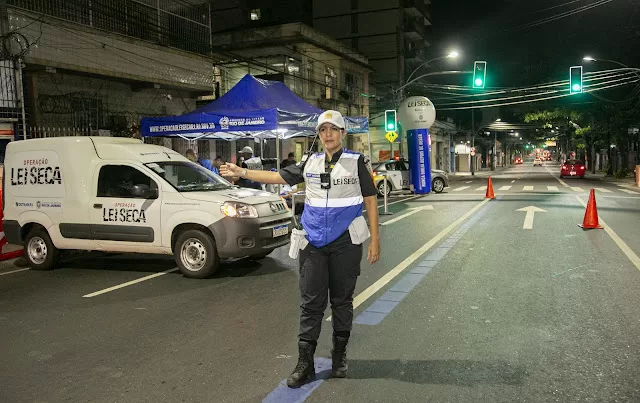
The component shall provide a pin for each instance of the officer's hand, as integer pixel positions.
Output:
(373, 254)
(230, 170)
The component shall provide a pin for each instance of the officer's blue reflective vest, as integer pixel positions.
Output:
(329, 212)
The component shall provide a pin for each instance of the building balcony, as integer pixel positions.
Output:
(418, 8)
(415, 28)
(414, 55)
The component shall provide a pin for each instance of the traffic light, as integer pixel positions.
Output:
(390, 122)
(575, 79)
(479, 74)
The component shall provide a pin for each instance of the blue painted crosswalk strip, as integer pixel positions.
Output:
(284, 394)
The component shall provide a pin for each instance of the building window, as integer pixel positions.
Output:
(294, 68)
(255, 14)
(329, 82)
(311, 90)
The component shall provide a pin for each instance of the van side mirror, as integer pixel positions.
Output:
(144, 192)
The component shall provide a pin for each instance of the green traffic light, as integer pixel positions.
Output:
(478, 82)
(390, 126)
(576, 87)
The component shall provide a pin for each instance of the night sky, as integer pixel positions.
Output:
(493, 30)
(522, 51)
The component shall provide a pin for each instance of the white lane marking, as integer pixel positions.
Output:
(482, 188)
(461, 188)
(393, 273)
(527, 188)
(603, 190)
(552, 188)
(505, 187)
(631, 192)
(563, 183)
(468, 181)
(13, 271)
(397, 201)
(410, 212)
(576, 189)
(513, 181)
(117, 287)
(621, 244)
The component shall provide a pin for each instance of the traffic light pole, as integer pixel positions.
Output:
(473, 139)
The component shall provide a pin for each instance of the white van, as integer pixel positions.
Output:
(121, 195)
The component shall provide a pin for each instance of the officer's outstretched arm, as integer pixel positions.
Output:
(232, 170)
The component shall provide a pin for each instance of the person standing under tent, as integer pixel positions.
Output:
(338, 184)
(249, 161)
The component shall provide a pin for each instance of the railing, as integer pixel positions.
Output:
(36, 132)
(176, 24)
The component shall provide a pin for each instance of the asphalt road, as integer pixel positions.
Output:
(464, 306)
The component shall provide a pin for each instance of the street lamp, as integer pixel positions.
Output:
(591, 59)
(451, 55)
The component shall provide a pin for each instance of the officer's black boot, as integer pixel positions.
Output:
(339, 357)
(304, 370)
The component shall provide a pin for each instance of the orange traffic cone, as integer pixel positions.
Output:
(591, 215)
(490, 194)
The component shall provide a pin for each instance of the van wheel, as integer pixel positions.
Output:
(261, 255)
(196, 254)
(40, 251)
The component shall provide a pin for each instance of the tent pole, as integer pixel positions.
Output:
(261, 146)
(278, 158)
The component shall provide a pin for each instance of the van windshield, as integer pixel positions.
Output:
(189, 177)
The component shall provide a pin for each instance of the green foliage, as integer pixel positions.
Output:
(622, 173)
(556, 115)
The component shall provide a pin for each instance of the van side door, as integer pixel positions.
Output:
(125, 207)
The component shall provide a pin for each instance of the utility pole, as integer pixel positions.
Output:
(494, 158)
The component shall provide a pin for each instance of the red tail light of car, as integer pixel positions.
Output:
(581, 166)
(564, 166)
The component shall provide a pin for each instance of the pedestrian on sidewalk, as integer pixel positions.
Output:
(338, 183)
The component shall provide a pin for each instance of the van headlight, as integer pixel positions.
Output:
(240, 210)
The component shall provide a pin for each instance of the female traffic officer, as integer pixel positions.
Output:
(338, 183)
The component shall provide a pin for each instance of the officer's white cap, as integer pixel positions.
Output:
(247, 150)
(333, 117)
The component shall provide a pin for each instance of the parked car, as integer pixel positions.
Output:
(398, 171)
(572, 168)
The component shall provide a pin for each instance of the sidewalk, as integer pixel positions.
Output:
(482, 173)
(602, 175)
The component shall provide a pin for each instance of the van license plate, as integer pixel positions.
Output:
(280, 230)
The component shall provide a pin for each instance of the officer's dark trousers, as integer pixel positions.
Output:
(334, 268)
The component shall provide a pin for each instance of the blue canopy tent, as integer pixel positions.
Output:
(253, 107)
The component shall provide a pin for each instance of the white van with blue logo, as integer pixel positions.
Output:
(121, 195)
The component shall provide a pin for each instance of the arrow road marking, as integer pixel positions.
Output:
(528, 219)
(405, 215)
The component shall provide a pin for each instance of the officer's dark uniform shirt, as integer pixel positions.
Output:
(293, 174)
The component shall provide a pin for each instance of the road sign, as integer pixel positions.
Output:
(391, 136)
(473, 151)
